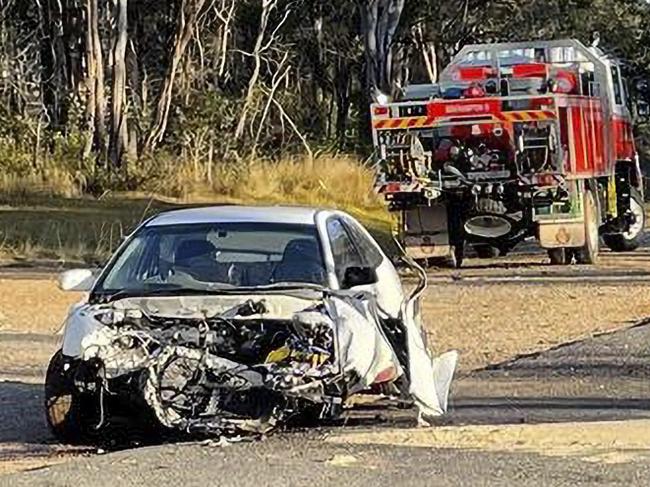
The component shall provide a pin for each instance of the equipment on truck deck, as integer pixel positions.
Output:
(518, 140)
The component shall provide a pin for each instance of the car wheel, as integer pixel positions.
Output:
(631, 239)
(588, 254)
(70, 415)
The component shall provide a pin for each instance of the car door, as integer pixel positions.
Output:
(352, 246)
(388, 288)
(344, 252)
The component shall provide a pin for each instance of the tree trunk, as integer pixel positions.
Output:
(53, 61)
(343, 87)
(226, 16)
(72, 28)
(380, 20)
(119, 129)
(95, 97)
(189, 16)
(267, 7)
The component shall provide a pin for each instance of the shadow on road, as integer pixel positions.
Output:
(21, 414)
(505, 410)
(597, 379)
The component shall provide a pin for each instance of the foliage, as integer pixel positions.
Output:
(217, 84)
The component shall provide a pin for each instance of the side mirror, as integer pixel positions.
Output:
(643, 111)
(81, 280)
(359, 276)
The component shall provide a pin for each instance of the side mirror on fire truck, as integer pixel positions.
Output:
(643, 111)
(642, 107)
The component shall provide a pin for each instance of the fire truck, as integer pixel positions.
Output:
(516, 141)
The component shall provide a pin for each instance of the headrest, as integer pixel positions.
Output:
(193, 248)
(302, 247)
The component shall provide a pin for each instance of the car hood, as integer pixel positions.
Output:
(277, 305)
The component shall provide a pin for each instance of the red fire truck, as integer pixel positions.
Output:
(517, 140)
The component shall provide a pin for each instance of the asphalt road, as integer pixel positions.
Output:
(307, 461)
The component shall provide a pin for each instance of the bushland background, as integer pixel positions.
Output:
(110, 110)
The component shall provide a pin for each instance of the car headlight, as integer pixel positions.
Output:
(110, 317)
(107, 317)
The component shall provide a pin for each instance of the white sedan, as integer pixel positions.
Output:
(231, 319)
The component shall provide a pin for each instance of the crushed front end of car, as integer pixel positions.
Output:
(229, 363)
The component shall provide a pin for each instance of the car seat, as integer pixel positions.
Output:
(301, 262)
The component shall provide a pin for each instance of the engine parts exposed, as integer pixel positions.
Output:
(253, 365)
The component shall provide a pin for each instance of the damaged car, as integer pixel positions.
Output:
(228, 320)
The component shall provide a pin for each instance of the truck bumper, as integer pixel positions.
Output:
(562, 234)
(425, 232)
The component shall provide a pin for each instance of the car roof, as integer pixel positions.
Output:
(295, 215)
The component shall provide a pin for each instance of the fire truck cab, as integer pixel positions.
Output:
(517, 140)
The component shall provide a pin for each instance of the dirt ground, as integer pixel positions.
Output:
(34, 309)
(33, 305)
(487, 322)
(493, 323)
(602, 442)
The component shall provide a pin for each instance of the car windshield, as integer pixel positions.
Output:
(204, 257)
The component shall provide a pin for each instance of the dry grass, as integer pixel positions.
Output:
(327, 181)
(42, 216)
(47, 181)
(332, 181)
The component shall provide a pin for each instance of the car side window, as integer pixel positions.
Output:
(343, 249)
(369, 254)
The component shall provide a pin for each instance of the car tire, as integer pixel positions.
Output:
(70, 415)
(588, 254)
(630, 240)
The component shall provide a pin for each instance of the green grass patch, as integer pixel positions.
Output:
(78, 230)
(86, 230)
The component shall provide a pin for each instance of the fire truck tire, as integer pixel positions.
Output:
(457, 256)
(486, 251)
(630, 240)
(589, 253)
(559, 256)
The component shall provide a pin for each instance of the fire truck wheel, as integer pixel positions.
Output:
(457, 256)
(486, 251)
(589, 253)
(559, 256)
(631, 239)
